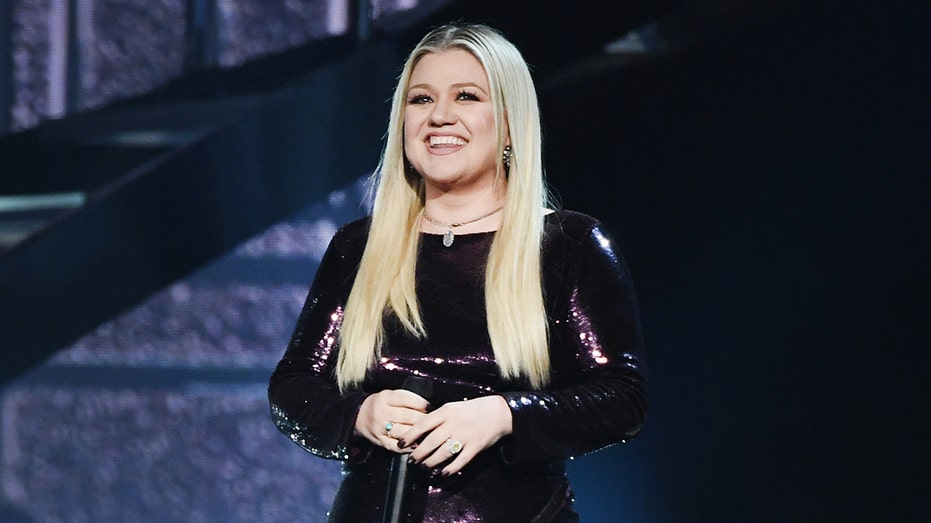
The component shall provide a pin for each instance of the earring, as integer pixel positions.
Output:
(506, 156)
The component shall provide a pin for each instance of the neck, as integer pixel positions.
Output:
(455, 207)
(475, 217)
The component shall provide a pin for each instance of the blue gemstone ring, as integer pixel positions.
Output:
(388, 427)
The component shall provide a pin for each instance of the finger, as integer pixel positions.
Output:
(407, 399)
(447, 451)
(383, 436)
(398, 432)
(393, 405)
(391, 445)
(392, 429)
(406, 416)
(460, 461)
(390, 420)
(400, 423)
(401, 433)
(425, 426)
(431, 451)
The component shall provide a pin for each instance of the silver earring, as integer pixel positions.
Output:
(506, 156)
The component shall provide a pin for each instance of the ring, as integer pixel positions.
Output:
(453, 446)
(388, 427)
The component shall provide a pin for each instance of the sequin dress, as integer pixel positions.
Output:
(596, 397)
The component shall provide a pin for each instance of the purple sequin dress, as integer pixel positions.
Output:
(596, 397)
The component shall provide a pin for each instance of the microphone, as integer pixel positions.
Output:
(399, 479)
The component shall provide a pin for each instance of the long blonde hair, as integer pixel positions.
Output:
(384, 284)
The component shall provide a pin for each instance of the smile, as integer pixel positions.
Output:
(446, 140)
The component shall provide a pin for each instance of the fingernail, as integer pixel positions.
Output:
(401, 443)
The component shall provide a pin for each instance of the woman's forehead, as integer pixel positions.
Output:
(449, 64)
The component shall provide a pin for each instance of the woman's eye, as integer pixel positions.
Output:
(465, 95)
(419, 99)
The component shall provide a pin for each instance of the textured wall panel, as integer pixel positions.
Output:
(291, 240)
(387, 7)
(31, 45)
(232, 325)
(130, 47)
(206, 455)
(252, 28)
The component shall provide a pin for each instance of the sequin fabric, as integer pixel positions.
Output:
(597, 395)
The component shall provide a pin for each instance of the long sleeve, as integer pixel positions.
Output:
(598, 393)
(305, 401)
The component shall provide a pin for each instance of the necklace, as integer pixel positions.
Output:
(448, 236)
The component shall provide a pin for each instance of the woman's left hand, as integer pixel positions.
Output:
(474, 424)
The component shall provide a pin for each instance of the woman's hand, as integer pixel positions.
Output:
(399, 408)
(474, 424)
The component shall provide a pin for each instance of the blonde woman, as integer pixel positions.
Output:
(522, 319)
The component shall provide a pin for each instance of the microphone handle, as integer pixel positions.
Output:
(399, 481)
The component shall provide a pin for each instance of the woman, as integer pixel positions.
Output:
(523, 319)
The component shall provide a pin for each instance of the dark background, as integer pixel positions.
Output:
(770, 187)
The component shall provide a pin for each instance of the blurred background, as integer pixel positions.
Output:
(171, 172)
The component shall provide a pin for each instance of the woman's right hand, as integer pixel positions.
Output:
(401, 408)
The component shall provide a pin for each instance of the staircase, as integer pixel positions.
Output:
(99, 210)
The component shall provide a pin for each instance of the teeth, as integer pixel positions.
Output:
(446, 140)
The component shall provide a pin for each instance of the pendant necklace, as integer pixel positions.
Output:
(448, 236)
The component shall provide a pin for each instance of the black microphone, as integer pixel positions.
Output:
(399, 480)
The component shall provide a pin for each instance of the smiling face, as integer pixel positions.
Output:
(449, 124)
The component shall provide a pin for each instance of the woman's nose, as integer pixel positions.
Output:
(443, 113)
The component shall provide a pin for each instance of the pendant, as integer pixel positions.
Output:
(448, 238)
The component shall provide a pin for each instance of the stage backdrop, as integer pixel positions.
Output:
(162, 414)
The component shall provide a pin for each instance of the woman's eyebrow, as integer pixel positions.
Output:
(459, 85)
